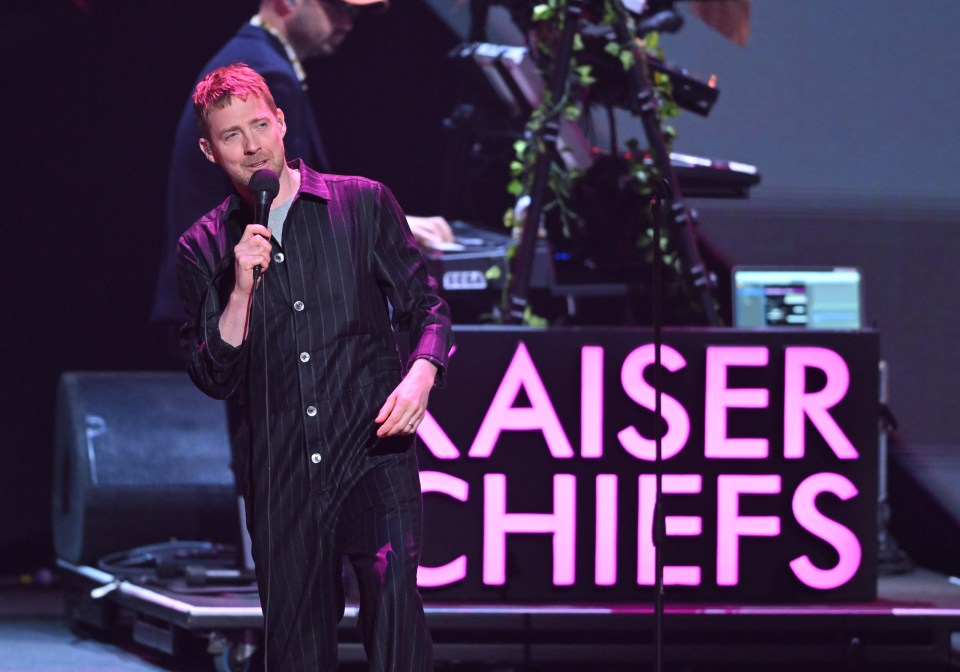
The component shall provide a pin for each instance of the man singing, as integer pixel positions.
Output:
(323, 421)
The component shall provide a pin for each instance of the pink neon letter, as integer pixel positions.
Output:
(497, 523)
(797, 403)
(605, 552)
(731, 525)
(435, 439)
(675, 416)
(591, 401)
(502, 415)
(719, 398)
(455, 570)
(835, 534)
(677, 526)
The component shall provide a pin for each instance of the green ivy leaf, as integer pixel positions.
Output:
(533, 320)
(637, 176)
(585, 76)
(542, 12)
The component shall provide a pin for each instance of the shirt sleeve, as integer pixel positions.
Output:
(417, 306)
(215, 366)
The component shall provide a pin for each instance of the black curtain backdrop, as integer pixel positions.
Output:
(93, 90)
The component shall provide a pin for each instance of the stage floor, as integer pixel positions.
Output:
(911, 626)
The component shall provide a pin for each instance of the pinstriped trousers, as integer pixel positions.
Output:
(377, 526)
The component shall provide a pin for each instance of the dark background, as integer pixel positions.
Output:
(848, 109)
(93, 92)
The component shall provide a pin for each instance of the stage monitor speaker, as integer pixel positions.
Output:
(925, 504)
(139, 458)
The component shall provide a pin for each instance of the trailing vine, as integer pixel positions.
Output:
(626, 177)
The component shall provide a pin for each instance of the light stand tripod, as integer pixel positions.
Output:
(642, 103)
(519, 286)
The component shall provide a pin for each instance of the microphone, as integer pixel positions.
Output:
(264, 185)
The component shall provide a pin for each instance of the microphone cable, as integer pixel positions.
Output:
(203, 314)
(265, 184)
(221, 268)
(265, 602)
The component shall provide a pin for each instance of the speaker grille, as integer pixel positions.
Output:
(179, 434)
(139, 458)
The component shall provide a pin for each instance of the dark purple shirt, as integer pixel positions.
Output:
(320, 357)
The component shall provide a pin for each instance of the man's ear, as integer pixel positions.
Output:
(283, 7)
(207, 150)
(282, 123)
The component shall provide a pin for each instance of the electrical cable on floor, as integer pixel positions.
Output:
(198, 567)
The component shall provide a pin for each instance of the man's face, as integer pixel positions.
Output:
(317, 27)
(245, 136)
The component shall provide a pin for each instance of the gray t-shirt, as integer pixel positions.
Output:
(276, 219)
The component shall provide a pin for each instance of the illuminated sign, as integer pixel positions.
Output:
(537, 465)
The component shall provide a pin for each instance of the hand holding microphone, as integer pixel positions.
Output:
(251, 255)
(264, 185)
(252, 252)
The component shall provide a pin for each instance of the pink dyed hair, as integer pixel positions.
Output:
(217, 90)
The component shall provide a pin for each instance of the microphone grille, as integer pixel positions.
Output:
(265, 180)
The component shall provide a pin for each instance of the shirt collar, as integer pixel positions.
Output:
(287, 47)
(311, 182)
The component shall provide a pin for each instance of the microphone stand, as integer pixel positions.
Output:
(643, 104)
(666, 191)
(662, 192)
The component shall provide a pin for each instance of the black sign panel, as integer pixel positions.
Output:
(538, 463)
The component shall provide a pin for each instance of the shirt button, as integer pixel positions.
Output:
(311, 411)
(298, 306)
(304, 356)
(315, 458)
(278, 257)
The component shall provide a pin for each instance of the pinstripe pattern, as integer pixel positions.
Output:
(321, 335)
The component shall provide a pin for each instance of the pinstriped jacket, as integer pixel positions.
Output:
(321, 355)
